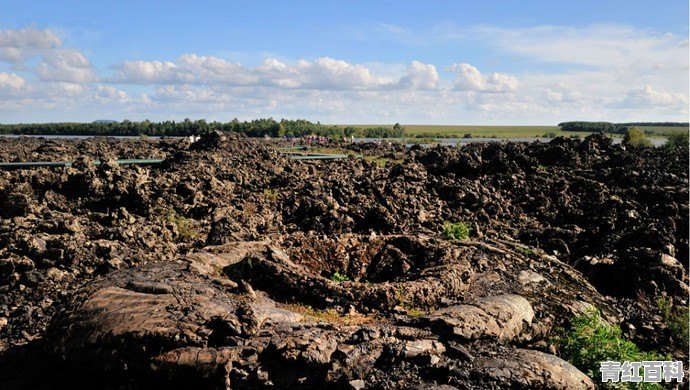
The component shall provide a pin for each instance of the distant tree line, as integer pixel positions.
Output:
(616, 128)
(254, 128)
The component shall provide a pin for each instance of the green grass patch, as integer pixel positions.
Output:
(420, 140)
(590, 341)
(186, 227)
(676, 318)
(524, 251)
(271, 194)
(338, 278)
(382, 161)
(456, 231)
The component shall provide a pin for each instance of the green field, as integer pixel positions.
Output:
(483, 131)
(458, 131)
(661, 130)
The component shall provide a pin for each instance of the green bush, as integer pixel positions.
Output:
(456, 231)
(337, 277)
(634, 137)
(591, 341)
(676, 318)
(675, 140)
(186, 227)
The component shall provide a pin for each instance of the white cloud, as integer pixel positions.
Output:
(601, 72)
(335, 74)
(322, 73)
(67, 65)
(108, 94)
(11, 82)
(605, 45)
(420, 76)
(57, 63)
(150, 72)
(29, 37)
(648, 96)
(213, 69)
(470, 79)
(16, 46)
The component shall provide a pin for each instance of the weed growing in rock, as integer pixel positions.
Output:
(456, 231)
(271, 194)
(676, 140)
(676, 320)
(525, 251)
(331, 315)
(186, 227)
(591, 341)
(382, 161)
(337, 277)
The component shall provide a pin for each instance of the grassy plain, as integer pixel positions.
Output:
(458, 131)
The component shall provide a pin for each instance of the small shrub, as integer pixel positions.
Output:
(467, 135)
(550, 134)
(416, 312)
(676, 319)
(456, 231)
(525, 251)
(271, 194)
(338, 278)
(676, 140)
(186, 227)
(634, 137)
(591, 341)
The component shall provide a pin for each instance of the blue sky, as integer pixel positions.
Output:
(436, 62)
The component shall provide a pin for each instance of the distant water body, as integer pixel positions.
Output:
(442, 141)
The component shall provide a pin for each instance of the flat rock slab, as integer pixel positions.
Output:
(136, 314)
(503, 317)
(533, 369)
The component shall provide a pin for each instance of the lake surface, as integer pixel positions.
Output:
(442, 141)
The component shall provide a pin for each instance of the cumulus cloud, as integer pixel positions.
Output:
(29, 37)
(66, 65)
(11, 82)
(648, 96)
(335, 74)
(16, 46)
(601, 72)
(108, 94)
(150, 72)
(322, 73)
(420, 76)
(470, 79)
(214, 69)
(57, 63)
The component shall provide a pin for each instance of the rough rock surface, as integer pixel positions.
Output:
(231, 266)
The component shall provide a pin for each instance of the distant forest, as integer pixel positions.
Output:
(616, 128)
(255, 128)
